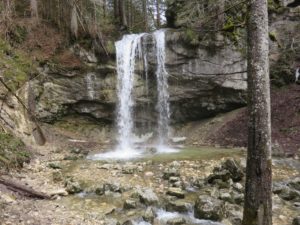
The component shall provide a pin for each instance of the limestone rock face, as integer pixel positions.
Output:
(202, 83)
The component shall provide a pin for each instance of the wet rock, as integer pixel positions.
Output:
(222, 184)
(234, 213)
(100, 190)
(72, 187)
(238, 187)
(278, 187)
(76, 150)
(295, 183)
(146, 196)
(177, 192)
(130, 204)
(171, 172)
(176, 221)
(218, 175)
(174, 179)
(129, 222)
(112, 187)
(238, 198)
(209, 208)
(230, 169)
(234, 168)
(111, 222)
(296, 221)
(225, 196)
(199, 183)
(235, 217)
(149, 215)
(297, 204)
(289, 194)
(178, 206)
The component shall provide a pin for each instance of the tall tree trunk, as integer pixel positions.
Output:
(122, 13)
(145, 15)
(104, 8)
(221, 16)
(158, 13)
(74, 20)
(116, 10)
(34, 8)
(258, 193)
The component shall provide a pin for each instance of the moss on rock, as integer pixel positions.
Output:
(13, 152)
(16, 68)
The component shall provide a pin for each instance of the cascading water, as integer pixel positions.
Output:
(129, 50)
(162, 89)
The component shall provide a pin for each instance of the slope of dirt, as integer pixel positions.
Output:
(285, 123)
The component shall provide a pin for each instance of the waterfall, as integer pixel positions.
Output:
(127, 51)
(162, 88)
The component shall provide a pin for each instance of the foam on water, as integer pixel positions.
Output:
(164, 149)
(163, 217)
(124, 154)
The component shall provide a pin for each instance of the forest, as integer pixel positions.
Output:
(149, 112)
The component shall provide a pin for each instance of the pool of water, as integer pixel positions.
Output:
(167, 154)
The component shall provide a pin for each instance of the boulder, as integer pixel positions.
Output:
(296, 220)
(225, 196)
(234, 168)
(130, 204)
(177, 192)
(72, 186)
(149, 215)
(176, 221)
(209, 208)
(295, 183)
(178, 206)
(170, 172)
(146, 196)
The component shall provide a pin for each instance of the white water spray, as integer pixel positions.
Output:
(129, 50)
(162, 106)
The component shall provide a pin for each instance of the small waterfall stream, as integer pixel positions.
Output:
(162, 88)
(131, 50)
(127, 51)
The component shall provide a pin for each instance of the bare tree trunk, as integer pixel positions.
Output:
(104, 8)
(34, 8)
(145, 15)
(158, 13)
(258, 193)
(116, 10)
(74, 21)
(122, 13)
(221, 16)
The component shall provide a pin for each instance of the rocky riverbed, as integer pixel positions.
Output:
(194, 186)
